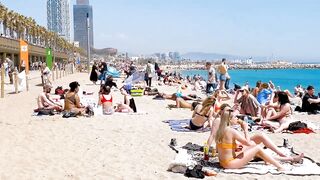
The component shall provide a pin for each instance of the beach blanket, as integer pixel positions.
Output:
(308, 167)
(98, 112)
(182, 126)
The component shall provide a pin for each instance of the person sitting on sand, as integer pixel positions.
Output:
(247, 102)
(105, 99)
(44, 101)
(264, 94)
(256, 89)
(257, 138)
(205, 116)
(72, 100)
(298, 91)
(220, 96)
(128, 104)
(279, 121)
(226, 138)
(109, 82)
(310, 102)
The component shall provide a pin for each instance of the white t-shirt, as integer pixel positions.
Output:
(46, 71)
(211, 75)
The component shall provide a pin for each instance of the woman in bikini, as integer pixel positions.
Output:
(226, 139)
(202, 117)
(72, 100)
(220, 96)
(279, 121)
(105, 99)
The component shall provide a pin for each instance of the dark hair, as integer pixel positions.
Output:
(258, 83)
(283, 98)
(208, 63)
(310, 88)
(223, 59)
(194, 105)
(73, 85)
(105, 90)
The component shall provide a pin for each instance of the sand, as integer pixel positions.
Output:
(105, 147)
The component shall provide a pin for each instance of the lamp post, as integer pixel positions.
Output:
(88, 48)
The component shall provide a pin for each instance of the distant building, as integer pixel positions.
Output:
(163, 56)
(174, 56)
(58, 17)
(80, 12)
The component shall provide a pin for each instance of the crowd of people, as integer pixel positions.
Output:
(263, 105)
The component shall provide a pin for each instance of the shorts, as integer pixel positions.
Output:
(222, 77)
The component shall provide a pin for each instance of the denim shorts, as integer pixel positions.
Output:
(222, 77)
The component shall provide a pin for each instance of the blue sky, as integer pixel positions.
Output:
(282, 28)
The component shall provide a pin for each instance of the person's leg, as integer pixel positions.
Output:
(208, 88)
(296, 158)
(265, 140)
(243, 158)
(227, 84)
(283, 126)
(150, 79)
(271, 124)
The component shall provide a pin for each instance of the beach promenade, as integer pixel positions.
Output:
(119, 146)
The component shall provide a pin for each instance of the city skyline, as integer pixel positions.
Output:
(247, 28)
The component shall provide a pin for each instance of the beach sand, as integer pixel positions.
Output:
(105, 147)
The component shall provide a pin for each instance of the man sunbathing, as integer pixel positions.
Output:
(44, 101)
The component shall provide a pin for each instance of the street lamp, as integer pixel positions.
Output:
(88, 48)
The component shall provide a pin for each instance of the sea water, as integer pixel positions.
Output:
(285, 78)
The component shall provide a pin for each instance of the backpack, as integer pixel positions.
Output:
(297, 125)
(148, 69)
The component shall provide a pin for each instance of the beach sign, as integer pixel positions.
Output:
(49, 58)
(24, 55)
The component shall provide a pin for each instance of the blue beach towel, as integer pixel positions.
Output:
(182, 126)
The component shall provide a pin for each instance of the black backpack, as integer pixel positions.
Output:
(297, 125)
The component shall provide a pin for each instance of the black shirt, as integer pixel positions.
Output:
(306, 105)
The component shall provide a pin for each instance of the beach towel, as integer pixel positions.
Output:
(308, 167)
(182, 126)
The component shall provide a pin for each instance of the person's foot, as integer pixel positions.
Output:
(298, 159)
(281, 169)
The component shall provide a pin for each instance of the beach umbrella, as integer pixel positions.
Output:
(135, 77)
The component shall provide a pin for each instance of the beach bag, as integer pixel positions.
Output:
(69, 114)
(196, 172)
(148, 69)
(45, 112)
(59, 90)
(297, 125)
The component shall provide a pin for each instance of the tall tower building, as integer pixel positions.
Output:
(80, 12)
(58, 17)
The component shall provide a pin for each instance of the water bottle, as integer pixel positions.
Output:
(206, 151)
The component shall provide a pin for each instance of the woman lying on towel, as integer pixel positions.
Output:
(227, 137)
(203, 114)
(279, 121)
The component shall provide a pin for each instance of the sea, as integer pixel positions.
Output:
(285, 78)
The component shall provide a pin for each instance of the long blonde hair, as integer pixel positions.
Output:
(224, 123)
(206, 105)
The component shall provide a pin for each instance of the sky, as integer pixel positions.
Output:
(278, 28)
